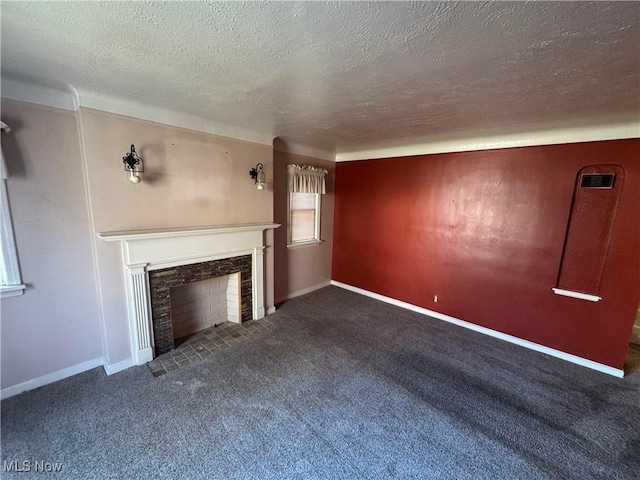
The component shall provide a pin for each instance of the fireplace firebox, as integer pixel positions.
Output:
(161, 281)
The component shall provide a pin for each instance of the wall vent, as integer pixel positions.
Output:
(597, 180)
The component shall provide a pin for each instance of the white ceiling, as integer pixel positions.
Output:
(342, 76)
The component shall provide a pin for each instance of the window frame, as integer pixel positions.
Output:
(9, 267)
(318, 210)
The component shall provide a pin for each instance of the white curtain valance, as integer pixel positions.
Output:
(306, 179)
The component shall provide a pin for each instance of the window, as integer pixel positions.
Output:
(304, 218)
(10, 283)
(306, 184)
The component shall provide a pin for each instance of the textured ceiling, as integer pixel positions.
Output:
(342, 76)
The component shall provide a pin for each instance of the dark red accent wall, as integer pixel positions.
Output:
(485, 231)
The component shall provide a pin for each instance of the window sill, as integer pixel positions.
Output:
(304, 244)
(12, 290)
(572, 294)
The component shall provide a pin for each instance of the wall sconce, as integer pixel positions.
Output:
(258, 175)
(134, 165)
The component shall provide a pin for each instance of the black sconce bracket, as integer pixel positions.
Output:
(132, 162)
(254, 171)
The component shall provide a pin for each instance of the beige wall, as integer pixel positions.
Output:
(302, 269)
(190, 179)
(68, 183)
(55, 324)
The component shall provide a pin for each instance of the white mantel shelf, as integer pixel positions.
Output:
(183, 231)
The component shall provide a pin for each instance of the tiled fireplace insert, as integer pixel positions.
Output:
(161, 282)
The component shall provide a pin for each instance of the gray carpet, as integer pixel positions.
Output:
(342, 387)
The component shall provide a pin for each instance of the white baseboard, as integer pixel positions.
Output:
(50, 378)
(271, 310)
(487, 331)
(304, 291)
(110, 369)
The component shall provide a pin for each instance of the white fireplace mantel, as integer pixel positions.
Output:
(146, 250)
(184, 231)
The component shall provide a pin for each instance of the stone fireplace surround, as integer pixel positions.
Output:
(161, 282)
(147, 251)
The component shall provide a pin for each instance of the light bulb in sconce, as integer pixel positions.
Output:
(134, 178)
(134, 165)
(257, 174)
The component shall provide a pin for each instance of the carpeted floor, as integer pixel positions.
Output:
(341, 387)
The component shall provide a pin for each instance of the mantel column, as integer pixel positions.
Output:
(257, 281)
(139, 320)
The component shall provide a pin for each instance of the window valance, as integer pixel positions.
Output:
(306, 179)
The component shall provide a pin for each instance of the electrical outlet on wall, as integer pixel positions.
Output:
(435, 299)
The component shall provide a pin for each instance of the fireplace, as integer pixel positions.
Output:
(202, 304)
(161, 283)
(156, 260)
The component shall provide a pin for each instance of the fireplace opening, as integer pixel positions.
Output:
(204, 304)
(184, 290)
